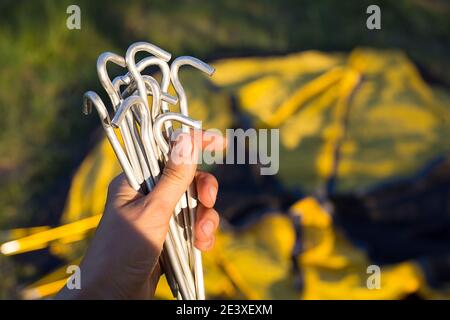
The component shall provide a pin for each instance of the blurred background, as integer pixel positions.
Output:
(364, 151)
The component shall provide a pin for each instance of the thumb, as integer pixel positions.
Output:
(177, 175)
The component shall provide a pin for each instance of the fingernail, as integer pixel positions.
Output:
(213, 193)
(208, 228)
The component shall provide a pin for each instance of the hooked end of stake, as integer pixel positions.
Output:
(211, 70)
(87, 106)
(114, 124)
(198, 125)
(116, 120)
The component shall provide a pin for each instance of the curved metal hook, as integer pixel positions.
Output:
(131, 64)
(145, 128)
(126, 129)
(149, 61)
(105, 80)
(165, 82)
(120, 81)
(174, 68)
(153, 85)
(90, 99)
(170, 116)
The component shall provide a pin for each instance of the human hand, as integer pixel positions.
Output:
(122, 259)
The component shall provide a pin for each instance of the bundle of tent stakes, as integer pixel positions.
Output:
(145, 132)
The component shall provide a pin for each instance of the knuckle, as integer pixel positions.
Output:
(216, 218)
(213, 215)
(174, 175)
(206, 245)
(157, 204)
(205, 179)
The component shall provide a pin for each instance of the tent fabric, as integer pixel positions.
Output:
(257, 263)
